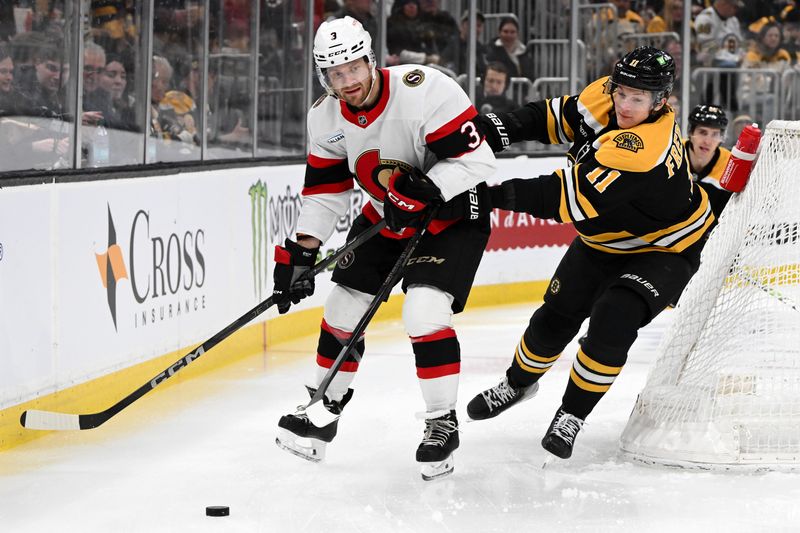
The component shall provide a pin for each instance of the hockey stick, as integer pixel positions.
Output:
(315, 409)
(739, 270)
(50, 420)
(769, 290)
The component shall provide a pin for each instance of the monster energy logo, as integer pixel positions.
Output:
(273, 218)
(258, 222)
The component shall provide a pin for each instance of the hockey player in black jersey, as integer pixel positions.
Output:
(707, 156)
(641, 222)
(405, 135)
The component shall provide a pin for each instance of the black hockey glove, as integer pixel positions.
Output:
(472, 204)
(503, 196)
(495, 129)
(408, 196)
(291, 261)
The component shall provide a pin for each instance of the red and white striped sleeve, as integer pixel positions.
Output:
(464, 159)
(328, 180)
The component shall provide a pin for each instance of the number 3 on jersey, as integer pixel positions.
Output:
(471, 131)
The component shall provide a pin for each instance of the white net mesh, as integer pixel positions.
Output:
(725, 388)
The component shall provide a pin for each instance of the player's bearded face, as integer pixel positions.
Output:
(351, 81)
(632, 106)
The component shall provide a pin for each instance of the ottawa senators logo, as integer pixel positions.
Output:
(629, 141)
(414, 78)
(347, 260)
(373, 173)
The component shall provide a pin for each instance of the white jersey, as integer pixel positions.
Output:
(718, 38)
(422, 119)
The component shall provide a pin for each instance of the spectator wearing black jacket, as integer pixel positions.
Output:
(508, 49)
(457, 54)
(493, 97)
(406, 37)
(114, 81)
(9, 98)
(440, 26)
(46, 90)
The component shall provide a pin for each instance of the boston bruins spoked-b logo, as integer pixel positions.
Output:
(373, 173)
(555, 286)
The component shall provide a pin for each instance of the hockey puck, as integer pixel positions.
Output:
(218, 510)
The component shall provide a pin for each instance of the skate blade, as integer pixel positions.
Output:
(309, 449)
(440, 469)
(319, 416)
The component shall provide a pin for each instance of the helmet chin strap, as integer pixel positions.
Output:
(371, 85)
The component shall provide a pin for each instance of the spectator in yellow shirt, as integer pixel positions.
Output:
(765, 53)
(670, 20)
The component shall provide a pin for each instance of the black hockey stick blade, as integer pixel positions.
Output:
(51, 420)
(315, 409)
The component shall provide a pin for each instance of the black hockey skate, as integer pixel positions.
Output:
(560, 437)
(435, 452)
(494, 401)
(299, 436)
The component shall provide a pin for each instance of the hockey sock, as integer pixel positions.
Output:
(331, 341)
(616, 318)
(588, 382)
(528, 366)
(438, 359)
(547, 334)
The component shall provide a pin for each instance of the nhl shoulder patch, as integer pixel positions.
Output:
(414, 78)
(629, 141)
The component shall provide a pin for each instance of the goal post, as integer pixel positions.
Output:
(725, 388)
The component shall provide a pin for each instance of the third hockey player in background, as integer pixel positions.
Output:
(707, 156)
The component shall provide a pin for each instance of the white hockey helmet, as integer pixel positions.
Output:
(340, 41)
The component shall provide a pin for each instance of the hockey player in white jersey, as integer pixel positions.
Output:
(405, 134)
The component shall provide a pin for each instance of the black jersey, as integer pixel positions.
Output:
(708, 178)
(627, 190)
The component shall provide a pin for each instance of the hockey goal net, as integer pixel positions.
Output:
(725, 387)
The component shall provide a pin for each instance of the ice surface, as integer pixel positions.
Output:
(210, 441)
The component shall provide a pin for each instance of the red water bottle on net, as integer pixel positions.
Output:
(737, 172)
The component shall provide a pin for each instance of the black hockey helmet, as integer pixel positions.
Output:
(645, 68)
(712, 116)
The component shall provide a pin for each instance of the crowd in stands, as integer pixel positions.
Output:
(727, 37)
(35, 62)
(35, 79)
